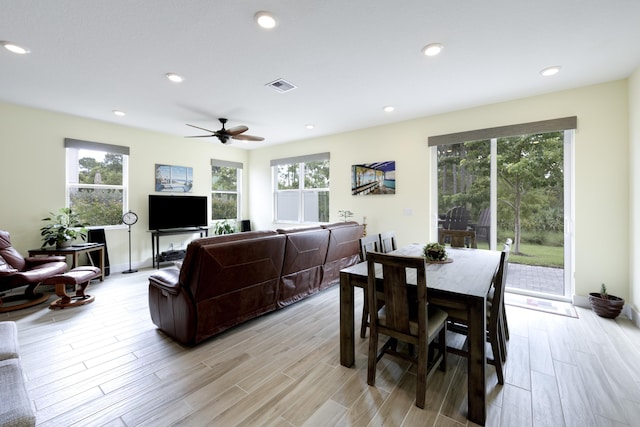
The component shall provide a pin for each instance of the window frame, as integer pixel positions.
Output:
(72, 149)
(301, 192)
(233, 165)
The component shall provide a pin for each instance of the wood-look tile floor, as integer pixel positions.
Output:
(106, 364)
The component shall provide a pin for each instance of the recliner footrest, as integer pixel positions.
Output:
(80, 277)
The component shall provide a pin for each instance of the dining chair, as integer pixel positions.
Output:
(388, 242)
(458, 238)
(495, 330)
(367, 243)
(405, 317)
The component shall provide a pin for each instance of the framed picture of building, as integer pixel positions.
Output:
(373, 178)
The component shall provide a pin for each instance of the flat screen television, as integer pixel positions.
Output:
(168, 212)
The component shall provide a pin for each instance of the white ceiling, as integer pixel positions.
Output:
(349, 58)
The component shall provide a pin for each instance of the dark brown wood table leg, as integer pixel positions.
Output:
(477, 360)
(347, 350)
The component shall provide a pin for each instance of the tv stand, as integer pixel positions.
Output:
(155, 239)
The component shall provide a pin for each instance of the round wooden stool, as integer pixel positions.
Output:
(80, 277)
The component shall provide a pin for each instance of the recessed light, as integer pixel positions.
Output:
(432, 49)
(388, 108)
(12, 47)
(310, 126)
(176, 78)
(550, 71)
(119, 113)
(265, 19)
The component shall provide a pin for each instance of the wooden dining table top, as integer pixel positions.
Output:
(469, 272)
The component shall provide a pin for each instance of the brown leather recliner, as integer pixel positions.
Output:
(17, 271)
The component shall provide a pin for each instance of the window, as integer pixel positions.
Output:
(301, 188)
(226, 182)
(97, 181)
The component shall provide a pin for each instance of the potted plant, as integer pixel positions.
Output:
(605, 305)
(345, 215)
(435, 252)
(224, 226)
(65, 227)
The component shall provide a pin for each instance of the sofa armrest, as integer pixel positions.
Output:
(39, 260)
(167, 280)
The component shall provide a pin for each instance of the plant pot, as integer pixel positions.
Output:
(64, 245)
(609, 308)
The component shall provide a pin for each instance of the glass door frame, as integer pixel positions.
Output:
(569, 209)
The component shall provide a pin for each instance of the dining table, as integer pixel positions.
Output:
(461, 284)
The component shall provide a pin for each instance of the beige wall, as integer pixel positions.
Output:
(634, 235)
(32, 174)
(602, 171)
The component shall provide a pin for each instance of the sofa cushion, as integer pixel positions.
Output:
(8, 340)
(15, 409)
(343, 250)
(305, 252)
(194, 245)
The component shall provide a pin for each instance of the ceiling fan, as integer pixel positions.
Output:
(224, 135)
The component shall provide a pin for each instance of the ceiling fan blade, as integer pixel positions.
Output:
(236, 130)
(199, 136)
(248, 137)
(198, 127)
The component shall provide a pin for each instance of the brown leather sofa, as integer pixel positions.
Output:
(226, 280)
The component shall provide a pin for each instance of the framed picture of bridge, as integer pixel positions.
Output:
(373, 178)
(174, 179)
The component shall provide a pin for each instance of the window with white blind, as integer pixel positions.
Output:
(301, 188)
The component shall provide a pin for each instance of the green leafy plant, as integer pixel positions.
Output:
(65, 227)
(224, 226)
(435, 252)
(345, 215)
(603, 291)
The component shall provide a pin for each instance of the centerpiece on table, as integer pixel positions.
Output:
(436, 253)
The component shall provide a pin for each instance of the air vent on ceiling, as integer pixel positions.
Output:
(281, 85)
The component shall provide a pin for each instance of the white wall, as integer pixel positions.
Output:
(32, 174)
(602, 174)
(33, 159)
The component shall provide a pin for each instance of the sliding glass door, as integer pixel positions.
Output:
(518, 188)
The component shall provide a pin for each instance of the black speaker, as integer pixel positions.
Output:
(96, 235)
(245, 225)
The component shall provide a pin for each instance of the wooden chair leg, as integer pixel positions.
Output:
(373, 357)
(497, 359)
(421, 386)
(442, 343)
(365, 315)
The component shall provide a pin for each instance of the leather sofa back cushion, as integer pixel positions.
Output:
(304, 249)
(193, 248)
(219, 269)
(344, 240)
